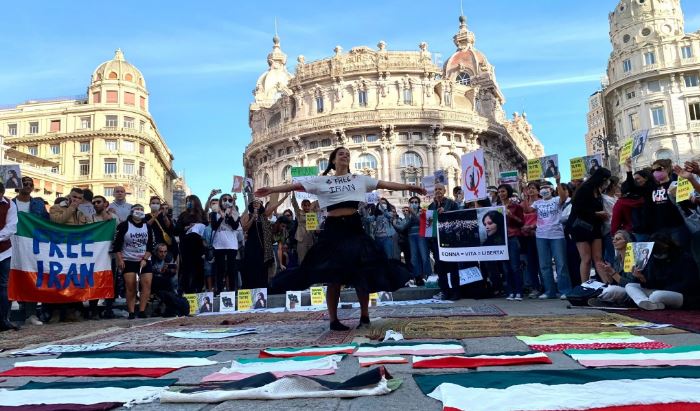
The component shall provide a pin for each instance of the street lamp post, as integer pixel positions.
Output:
(603, 142)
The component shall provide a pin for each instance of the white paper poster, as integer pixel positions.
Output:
(429, 185)
(473, 176)
(470, 275)
(477, 234)
(11, 176)
(293, 300)
(212, 334)
(227, 302)
(59, 349)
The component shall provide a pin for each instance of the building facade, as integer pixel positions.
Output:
(595, 120)
(401, 116)
(653, 81)
(98, 141)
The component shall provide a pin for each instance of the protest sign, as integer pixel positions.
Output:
(300, 174)
(429, 185)
(473, 178)
(372, 197)
(470, 275)
(585, 166)
(293, 300)
(55, 263)
(683, 190)
(227, 302)
(245, 300)
(637, 256)
(639, 141)
(237, 184)
(373, 298)
(205, 302)
(193, 301)
(626, 150)
(311, 221)
(543, 167)
(11, 176)
(440, 177)
(428, 224)
(509, 177)
(260, 298)
(473, 235)
(318, 296)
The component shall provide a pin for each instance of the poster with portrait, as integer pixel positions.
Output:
(249, 185)
(259, 298)
(11, 176)
(473, 176)
(440, 177)
(582, 167)
(227, 302)
(292, 302)
(429, 185)
(639, 141)
(372, 197)
(237, 184)
(205, 302)
(637, 256)
(473, 235)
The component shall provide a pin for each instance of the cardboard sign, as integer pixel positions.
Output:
(626, 150)
(227, 301)
(534, 169)
(194, 303)
(237, 184)
(318, 296)
(684, 189)
(245, 300)
(469, 275)
(293, 300)
(311, 221)
(473, 176)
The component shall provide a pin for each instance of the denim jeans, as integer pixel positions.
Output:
(548, 249)
(4, 299)
(420, 256)
(386, 244)
(514, 274)
(608, 249)
(532, 266)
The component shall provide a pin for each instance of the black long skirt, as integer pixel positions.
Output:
(345, 254)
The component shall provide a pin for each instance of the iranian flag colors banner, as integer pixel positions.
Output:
(55, 263)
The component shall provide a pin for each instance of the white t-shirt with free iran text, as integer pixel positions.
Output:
(336, 189)
(548, 216)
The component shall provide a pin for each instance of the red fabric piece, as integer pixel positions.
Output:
(675, 406)
(86, 372)
(600, 346)
(465, 362)
(101, 406)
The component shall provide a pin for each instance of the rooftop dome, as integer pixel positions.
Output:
(118, 69)
(467, 58)
(275, 79)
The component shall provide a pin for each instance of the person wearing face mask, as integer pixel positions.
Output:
(550, 239)
(189, 229)
(670, 277)
(133, 245)
(224, 224)
(442, 204)
(418, 245)
(304, 238)
(382, 228)
(528, 240)
(664, 216)
(514, 222)
(162, 225)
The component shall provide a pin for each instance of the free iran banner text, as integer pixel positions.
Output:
(55, 263)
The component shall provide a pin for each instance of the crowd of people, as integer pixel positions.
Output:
(558, 236)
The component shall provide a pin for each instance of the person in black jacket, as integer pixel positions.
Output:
(670, 277)
(443, 268)
(224, 224)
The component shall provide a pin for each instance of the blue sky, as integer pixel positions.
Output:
(201, 59)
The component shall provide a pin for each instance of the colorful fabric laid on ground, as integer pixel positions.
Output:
(315, 350)
(279, 367)
(409, 348)
(668, 389)
(689, 355)
(71, 394)
(390, 359)
(212, 334)
(111, 364)
(605, 340)
(484, 360)
(684, 319)
(268, 387)
(100, 406)
(53, 349)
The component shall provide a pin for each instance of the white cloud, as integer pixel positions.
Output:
(586, 78)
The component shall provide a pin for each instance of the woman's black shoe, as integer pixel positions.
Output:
(363, 321)
(6, 326)
(132, 316)
(338, 326)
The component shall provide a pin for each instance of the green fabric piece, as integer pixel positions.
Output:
(28, 224)
(592, 336)
(672, 350)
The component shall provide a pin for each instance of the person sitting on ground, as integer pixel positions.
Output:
(614, 274)
(670, 276)
(164, 279)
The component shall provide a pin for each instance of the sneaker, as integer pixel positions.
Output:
(34, 320)
(439, 296)
(510, 297)
(411, 284)
(650, 305)
(544, 296)
(534, 294)
(562, 297)
(518, 297)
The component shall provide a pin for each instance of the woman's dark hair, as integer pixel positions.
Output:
(250, 205)
(154, 198)
(58, 200)
(535, 184)
(288, 210)
(136, 205)
(331, 161)
(497, 218)
(665, 242)
(222, 196)
(378, 211)
(594, 183)
(196, 210)
(508, 188)
(411, 199)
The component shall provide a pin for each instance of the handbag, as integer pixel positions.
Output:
(166, 237)
(578, 223)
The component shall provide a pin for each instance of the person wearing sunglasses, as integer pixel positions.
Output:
(664, 216)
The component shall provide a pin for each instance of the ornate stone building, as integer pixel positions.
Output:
(401, 116)
(653, 80)
(595, 120)
(98, 141)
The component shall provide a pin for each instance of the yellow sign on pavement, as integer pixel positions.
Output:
(245, 300)
(192, 301)
(318, 297)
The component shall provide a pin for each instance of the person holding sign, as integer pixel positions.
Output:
(224, 224)
(586, 220)
(8, 227)
(304, 237)
(663, 214)
(344, 253)
(614, 275)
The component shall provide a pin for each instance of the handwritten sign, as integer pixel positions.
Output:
(684, 189)
(469, 275)
(534, 169)
(193, 301)
(304, 171)
(626, 150)
(318, 296)
(578, 168)
(373, 298)
(311, 221)
(245, 300)
(628, 264)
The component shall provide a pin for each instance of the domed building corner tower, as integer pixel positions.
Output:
(401, 116)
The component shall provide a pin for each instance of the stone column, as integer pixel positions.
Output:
(385, 161)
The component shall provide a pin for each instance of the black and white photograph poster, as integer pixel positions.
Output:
(473, 235)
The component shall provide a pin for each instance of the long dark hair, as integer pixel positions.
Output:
(497, 218)
(196, 211)
(331, 161)
(389, 207)
(594, 183)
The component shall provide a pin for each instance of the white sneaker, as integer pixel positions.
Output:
(510, 297)
(562, 297)
(534, 294)
(33, 320)
(439, 296)
(543, 296)
(518, 297)
(411, 283)
(650, 305)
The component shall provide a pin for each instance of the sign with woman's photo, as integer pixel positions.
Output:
(585, 166)
(11, 176)
(478, 234)
(637, 256)
(543, 167)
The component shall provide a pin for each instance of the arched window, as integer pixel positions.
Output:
(464, 78)
(287, 173)
(129, 77)
(113, 75)
(322, 164)
(266, 180)
(411, 159)
(366, 161)
(664, 153)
